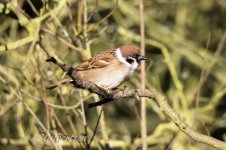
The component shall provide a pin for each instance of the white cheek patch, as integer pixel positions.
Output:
(119, 56)
(134, 65)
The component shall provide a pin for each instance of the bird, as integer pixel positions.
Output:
(110, 68)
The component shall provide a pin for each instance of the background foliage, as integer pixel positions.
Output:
(185, 47)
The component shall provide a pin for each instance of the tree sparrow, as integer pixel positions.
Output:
(110, 68)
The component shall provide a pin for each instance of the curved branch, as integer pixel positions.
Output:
(134, 93)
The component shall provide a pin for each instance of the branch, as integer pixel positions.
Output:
(143, 123)
(134, 93)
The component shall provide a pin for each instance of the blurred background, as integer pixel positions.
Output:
(186, 57)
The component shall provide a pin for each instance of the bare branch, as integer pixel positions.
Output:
(133, 93)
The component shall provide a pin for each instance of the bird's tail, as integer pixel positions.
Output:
(64, 81)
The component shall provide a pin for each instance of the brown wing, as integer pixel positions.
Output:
(101, 60)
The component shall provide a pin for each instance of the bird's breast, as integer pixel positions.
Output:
(110, 76)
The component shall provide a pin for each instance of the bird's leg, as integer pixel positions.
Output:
(104, 100)
(105, 89)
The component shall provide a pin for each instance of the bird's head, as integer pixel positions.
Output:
(131, 54)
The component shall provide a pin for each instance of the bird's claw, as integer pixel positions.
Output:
(105, 89)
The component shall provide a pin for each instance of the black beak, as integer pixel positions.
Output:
(140, 57)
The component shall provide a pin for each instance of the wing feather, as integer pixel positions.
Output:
(101, 60)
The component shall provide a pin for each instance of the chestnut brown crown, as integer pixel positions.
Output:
(131, 51)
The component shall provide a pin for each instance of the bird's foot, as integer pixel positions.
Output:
(105, 89)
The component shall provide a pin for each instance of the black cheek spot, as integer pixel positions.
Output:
(130, 60)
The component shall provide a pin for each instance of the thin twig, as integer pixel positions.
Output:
(106, 17)
(33, 7)
(41, 125)
(84, 119)
(95, 130)
(42, 93)
(143, 77)
(103, 127)
(201, 82)
(94, 10)
(50, 104)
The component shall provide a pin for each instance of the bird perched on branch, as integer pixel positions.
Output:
(110, 68)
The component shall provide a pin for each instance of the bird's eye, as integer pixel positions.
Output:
(129, 60)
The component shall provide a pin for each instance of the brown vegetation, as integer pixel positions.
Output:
(184, 41)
